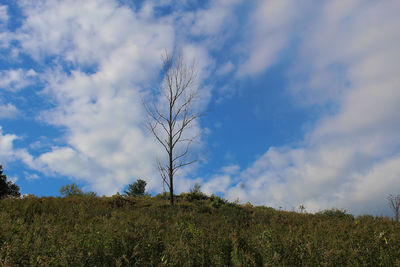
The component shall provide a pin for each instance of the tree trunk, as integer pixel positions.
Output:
(171, 193)
(171, 156)
(171, 184)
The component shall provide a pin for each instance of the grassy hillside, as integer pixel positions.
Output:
(117, 231)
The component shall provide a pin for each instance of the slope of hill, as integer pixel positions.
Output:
(198, 231)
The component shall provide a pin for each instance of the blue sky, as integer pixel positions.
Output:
(301, 98)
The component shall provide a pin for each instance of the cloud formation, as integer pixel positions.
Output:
(103, 58)
(6, 144)
(349, 159)
(269, 33)
(15, 79)
(100, 110)
(8, 111)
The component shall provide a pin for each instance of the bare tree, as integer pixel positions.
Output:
(171, 116)
(394, 203)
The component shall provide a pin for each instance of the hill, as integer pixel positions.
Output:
(197, 231)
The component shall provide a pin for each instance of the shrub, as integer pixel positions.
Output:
(73, 190)
(194, 194)
(216, 201)
(70, 190)
(336, 213)
(136, 189)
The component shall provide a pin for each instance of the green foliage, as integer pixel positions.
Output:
(70, 190)
(196, 189)
(194, 194)
(7, 188)
(336, 213)
(90, 194)
(136, 189)
(216, 201)
(163, 196)
(73, 190)
(123, 231)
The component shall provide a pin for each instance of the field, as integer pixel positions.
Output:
(197, 231)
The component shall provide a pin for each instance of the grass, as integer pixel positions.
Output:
(197, 231)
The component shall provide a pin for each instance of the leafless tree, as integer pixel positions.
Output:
(394, 203)
(171, 116)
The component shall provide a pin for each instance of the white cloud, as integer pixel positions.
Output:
(214, 19)
(31, 176)
(9, 153)
(6, 144)
(16, 79)
(101, 111)
(4, 34)
(217, 184)
(3, 15)
(4, 39)
(220, 182)
(92, 33)
(270, 25)
(205, 31)
(199, 55)
(230, 169)
(350, 158)
(371, 189)
(8, 111)
(226, 68)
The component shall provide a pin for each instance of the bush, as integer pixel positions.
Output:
(194, 194)
(136, 189)
(336, 213)
(73, 190)
(216, 201)
(70, 190)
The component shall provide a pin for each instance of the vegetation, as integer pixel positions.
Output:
(7, 188)
(136, 189)
(198, 230)
(71, 190)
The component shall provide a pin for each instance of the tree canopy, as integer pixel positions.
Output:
(70, 190)
(7, 188)
(136, 189)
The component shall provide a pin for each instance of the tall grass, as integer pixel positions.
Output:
(197, 231)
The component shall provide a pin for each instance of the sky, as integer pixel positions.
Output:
(301, 98)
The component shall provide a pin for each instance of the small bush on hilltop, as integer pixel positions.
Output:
(136, 189)
(70, 190)
(336, 213)
(194, 194)
(73, 190)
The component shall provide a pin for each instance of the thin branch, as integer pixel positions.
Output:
(183, 164)
(163, 173)
(165, 145)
